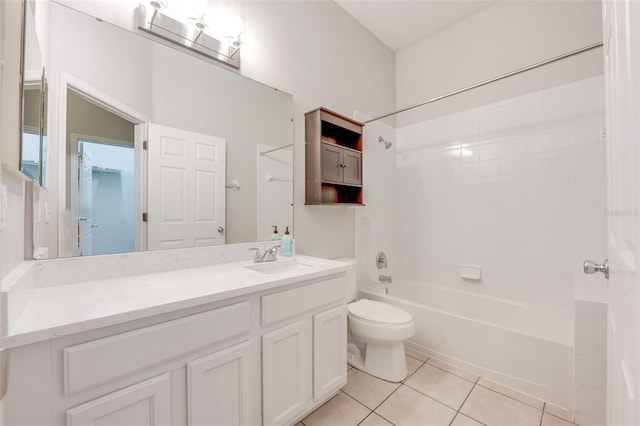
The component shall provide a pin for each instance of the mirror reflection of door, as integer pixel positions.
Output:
(85, 200)
(105, 197)
(102, 198)
(33, 135)
(185, 188)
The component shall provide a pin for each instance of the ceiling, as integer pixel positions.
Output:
(401, 23)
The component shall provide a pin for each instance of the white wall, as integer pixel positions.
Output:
(500, 39)
(322, 56)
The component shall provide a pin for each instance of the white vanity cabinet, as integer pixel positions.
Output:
(285, 373)
(219, 392)
(262, 358)
(220, 387)
(143, 404)
(329, 352)
(304, 355)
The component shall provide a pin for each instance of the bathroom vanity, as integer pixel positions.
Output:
(232, 343)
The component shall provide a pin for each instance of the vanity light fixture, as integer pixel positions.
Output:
(152, 21)
(157, 5)
(200, 25)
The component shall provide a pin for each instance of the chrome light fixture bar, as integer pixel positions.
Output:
(151, 21)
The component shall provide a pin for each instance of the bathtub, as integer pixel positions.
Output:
(525, 347)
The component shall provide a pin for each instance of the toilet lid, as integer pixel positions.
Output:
(384, 313)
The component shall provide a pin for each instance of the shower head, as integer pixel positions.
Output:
(387, 144)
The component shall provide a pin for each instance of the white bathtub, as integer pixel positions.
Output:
(525, 347)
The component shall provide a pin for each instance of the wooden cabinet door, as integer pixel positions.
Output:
(329, 351)
(332, 170)
(219, 388)
(352, 167)
(143, 404)
(285, 373)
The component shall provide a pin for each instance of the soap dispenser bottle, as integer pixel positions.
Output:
(275, 235)
(287, 244)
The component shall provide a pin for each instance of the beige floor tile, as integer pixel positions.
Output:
(415, 354)
(551, 420)
(440, 385)
(340, 410)
(412, 365)
(407, 407)
(529, 400)
(563, 413)
(462, 420)
(375, 420)
(495, 409)
(451, 369)
(367, 389)
(300, 424)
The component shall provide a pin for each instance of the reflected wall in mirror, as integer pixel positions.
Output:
(33, 146)
(151, 147)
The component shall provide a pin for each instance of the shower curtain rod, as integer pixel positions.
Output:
(492, 80)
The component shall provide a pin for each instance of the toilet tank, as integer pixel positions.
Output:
(352, 282)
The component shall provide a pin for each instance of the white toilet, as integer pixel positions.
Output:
(378, 331)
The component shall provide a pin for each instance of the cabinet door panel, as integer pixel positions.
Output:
(284, 356)
(146, 403)
(219, 388)
(329, 351)
(352, 170)
(331, 163)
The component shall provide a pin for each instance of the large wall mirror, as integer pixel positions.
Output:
(150, 147)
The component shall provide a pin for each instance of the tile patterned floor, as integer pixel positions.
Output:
(433, 394)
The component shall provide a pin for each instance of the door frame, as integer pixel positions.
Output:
(67, 217)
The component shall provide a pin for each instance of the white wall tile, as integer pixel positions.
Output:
(591, 342)
(489, 151)
(489, 168)
(591, 372)
(591, 314)
(591, 402)
(526, 169)
(584, 420)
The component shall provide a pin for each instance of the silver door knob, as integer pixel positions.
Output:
(221, 230)
(590, 267)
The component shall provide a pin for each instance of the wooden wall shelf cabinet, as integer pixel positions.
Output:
(333, 159)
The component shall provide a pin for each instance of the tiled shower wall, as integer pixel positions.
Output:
(591, 363)
(516, 187)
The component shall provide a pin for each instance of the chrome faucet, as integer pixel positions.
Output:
(269, 255)
(385, 279)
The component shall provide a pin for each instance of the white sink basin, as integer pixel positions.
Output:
(280, 266)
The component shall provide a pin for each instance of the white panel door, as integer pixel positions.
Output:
(219, 388)
(284, 373)
(329, 352)
(85, 193)
(622, 80)
(185, 188)
(143, 404)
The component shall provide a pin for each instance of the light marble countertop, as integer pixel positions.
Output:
(60, 310)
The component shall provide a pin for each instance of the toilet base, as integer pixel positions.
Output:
(386, 361)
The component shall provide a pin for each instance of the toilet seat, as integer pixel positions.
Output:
(378, 312)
